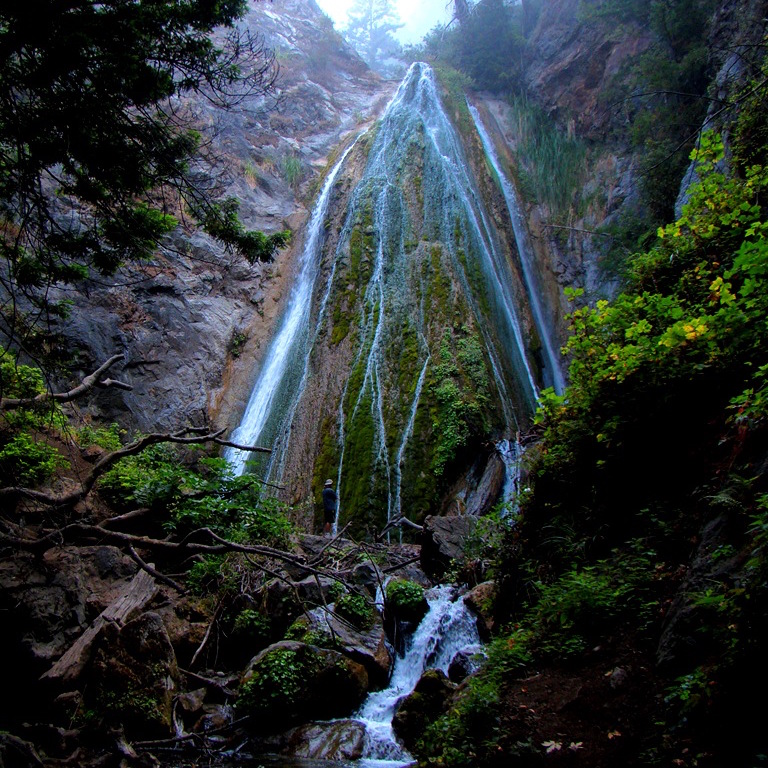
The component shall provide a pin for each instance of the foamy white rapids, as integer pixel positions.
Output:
(447, 629)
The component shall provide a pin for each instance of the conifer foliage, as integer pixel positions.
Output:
(370, 24)
(95, 143)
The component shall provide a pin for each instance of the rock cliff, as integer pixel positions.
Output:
(192, 322)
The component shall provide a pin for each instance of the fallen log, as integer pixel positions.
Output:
(135, 596)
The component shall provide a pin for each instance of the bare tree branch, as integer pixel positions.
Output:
(88, 383)
(188, 436)
(154, 572)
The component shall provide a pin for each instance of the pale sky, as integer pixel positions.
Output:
(419, 16)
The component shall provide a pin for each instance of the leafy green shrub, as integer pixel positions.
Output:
(300, 630)
(252, 625)
(355, 609)
(404, 594)
(236, 343)
(22, 382)
(336, 590)
(19, 381)
(204, 575)
(579, 598)
(150, 478)
(406, 599)
(104, 437)
(26, 461)
(211, 497)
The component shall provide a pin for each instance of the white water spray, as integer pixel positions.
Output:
(552, 369)
(447, 630)
(290, 338)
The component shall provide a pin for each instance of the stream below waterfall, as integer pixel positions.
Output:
(447, 630)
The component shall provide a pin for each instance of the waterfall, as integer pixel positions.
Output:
(511, 453)
(453, 214)
(552, 372)
(447, 629)
(417, 264)
(288, 347)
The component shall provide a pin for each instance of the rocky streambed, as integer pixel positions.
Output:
(110, 665)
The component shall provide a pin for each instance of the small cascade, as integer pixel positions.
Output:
(447, 629)
(552, 372)
(279, 378)
(511, 453)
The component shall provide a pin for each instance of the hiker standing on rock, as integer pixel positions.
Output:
(329, 506)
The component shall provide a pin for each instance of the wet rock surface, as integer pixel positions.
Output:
(341, 740)
(194, 321)
(444, 542)
(427, 702)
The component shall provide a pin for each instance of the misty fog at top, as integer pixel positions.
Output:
(378, 28)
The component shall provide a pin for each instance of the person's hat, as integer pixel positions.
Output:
(329, 482)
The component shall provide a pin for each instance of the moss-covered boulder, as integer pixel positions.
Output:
(406, 601)
(134, 677)
(292, 682)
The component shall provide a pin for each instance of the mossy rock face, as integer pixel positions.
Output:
(134, 677)
(291, 682)
(406, 601)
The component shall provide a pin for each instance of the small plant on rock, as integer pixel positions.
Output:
(356, 610)
(406, 599)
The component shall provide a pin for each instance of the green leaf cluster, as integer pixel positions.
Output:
(684, 341)
(355, 609)
(210, 496)
(27, 462)
(26, 458)
(275, 691)
(405, 595)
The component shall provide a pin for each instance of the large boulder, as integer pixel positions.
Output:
(52, 600)
(292, 682)
(429, 700)
(340, 740)
(444, 541)
(134, 676)
(480, 601)
(367, 646)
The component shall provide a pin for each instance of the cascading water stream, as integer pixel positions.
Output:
(447, 630)
(454, 215)
(290, 341)
(552, 371)
(415, 198)
(511, 453)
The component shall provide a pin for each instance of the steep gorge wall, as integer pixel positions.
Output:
(414, 362)
(581, 70)
(194, 322)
